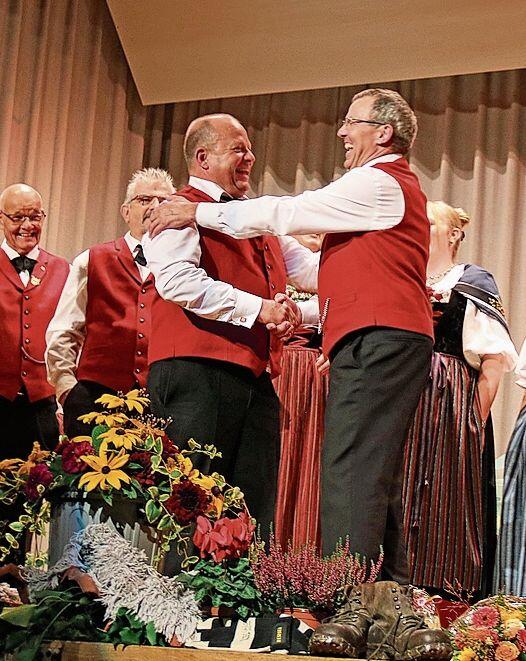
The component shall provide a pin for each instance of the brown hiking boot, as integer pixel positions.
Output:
(345, 634)
(398, 632)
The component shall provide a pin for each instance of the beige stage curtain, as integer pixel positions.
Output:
(72, 126)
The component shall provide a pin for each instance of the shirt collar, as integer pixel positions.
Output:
(132, 242)
(205, 186)
(12, 254)
(386, 158)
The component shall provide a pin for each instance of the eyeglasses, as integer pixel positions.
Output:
(146, 200)
(19, 218)
(349, 121)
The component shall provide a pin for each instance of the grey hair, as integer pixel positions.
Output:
(149, 176)
(391, 108)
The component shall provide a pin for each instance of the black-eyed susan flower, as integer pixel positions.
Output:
(105, 471)
(133, 401)
(122, 438)
(108, 419)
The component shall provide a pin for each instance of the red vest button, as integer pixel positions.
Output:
(27, 340)
(26, 325)
(140, 336)
(26, 311)
(141, 320)
(141, 305)
(137, 370)
(139, 353)
(24, 373)
(26, 297)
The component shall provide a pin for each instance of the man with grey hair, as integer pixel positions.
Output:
(97, 341)
(375, 313)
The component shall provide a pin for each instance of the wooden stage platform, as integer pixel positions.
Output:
(104, 652)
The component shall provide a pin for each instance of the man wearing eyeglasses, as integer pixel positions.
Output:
(374, 311)
(31, 280)
(97, 341)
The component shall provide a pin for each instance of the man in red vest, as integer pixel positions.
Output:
(374, 311)
(97, 341)
(31, 280)
(212, 356)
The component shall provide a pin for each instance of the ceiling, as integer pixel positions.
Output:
(182, 50)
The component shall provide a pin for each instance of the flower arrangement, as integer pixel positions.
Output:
(301, 578)
(128, 454)
(492, 629)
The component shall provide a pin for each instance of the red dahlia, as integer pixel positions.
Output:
(39, 474)
(187, 502)
(71, 456)
(145, 476)
(169, 449)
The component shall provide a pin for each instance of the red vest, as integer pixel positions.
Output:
(253, 265)
(378, 278)
(118, 319)
(25, 313)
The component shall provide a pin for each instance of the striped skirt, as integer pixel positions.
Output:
(511, 573)
(449, 483)
(302, 393)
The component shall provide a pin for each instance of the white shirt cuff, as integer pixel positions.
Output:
(247, 308)
(310, 311)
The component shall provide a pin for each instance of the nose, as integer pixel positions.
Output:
(341, 132)
(27, 223)
(154, 202)
(249, 156)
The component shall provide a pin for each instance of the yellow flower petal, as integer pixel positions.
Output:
(119, 461)
(116, 477)
(92, 460)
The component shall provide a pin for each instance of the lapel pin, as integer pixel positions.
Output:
(34, 280)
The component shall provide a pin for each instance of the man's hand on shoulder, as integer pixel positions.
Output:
(281, 316)
(173, 213)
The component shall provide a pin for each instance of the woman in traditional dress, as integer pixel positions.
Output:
(449, 487)
(302, 391)
(510, 576)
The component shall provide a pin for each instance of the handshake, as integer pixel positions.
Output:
(281, 316)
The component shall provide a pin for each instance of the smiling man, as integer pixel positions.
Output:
(31, 280)
(215, 344)
(375, 313)
(97, 341)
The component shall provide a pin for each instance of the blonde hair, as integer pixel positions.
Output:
(455, 217)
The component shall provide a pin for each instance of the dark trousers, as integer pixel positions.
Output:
(79, 401)
(376, 378)
(226, 405)
(22, 423)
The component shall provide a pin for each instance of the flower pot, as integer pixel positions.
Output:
(311, 618)
(73, 511)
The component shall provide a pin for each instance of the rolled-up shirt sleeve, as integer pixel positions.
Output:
(363, 199)
(482, 335)
(173, 258)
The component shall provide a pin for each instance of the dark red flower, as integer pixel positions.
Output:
(145, 477)
(187, 502)
(71, 456)
(226, 539)
(39, 474)
(169, 449)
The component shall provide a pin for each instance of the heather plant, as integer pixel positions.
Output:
(302, 578)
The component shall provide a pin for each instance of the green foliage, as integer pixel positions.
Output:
(126, 629)
(63, 614)
(229, 584)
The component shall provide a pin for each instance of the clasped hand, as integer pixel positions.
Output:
(281, 316)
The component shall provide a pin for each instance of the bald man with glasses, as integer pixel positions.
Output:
(31, 281)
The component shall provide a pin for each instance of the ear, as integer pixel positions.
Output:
(125, 213)
(201, 158)
(455, 235)
(385, 135)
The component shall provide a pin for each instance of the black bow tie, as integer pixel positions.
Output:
(23, 263)
(139, 256)
(225, 197)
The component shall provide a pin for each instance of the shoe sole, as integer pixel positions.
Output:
(328, 646)
(429, 652)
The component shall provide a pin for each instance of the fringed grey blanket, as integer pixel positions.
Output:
(125, 580)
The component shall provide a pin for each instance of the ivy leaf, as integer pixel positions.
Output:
(153, 510)
(130, 637)
(17, 526)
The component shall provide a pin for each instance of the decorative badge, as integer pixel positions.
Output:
(34, 280)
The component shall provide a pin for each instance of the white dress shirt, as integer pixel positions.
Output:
(174, 256)
(12, 254)
(67, 330)
(481, 334)
(520, 370)
(363, 199)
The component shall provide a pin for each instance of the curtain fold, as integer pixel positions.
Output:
(72, 126)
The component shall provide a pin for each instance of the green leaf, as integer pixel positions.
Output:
(19, 616)
(156, 460)
(11, 540)
(107, 497)
(153, 510)
(17, 526)
(151, 633)
(130, 637)
(158, 446)
(164, 523)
